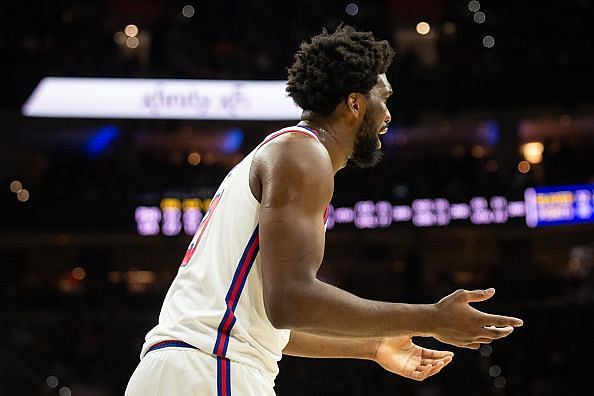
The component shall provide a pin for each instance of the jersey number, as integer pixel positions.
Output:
(201, 228)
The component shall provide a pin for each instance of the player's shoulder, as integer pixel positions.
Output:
(295, 162)
(296, 150)
(294, 168)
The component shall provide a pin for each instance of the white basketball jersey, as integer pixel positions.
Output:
(215, 302)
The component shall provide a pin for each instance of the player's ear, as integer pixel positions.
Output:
(356, 104)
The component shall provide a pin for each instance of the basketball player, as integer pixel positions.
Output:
(247, 292)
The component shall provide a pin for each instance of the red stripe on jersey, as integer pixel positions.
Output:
(245, 263)
(240, 280)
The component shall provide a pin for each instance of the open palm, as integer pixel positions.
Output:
(401, 356)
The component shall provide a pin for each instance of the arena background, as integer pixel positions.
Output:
(492, 99)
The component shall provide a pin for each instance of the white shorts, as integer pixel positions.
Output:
(185, 371)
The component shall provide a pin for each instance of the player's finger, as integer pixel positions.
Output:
(477, 295)
(428, 371)
(473, 345)
(425, 361)
(445, 360)
(433, 354)
(421, 373)
(497, 332)
(436, 369)
(502, 321)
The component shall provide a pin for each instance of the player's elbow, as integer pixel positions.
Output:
(277, 316)
(277, 309)
(283, 307)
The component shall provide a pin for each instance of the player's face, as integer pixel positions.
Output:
(366, 151)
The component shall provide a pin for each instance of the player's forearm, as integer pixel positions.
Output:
(314, 346)
(322, 309)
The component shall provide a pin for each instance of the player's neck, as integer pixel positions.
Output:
(332, 137)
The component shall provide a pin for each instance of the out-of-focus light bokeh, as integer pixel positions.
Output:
(423, 28)
(188, 11)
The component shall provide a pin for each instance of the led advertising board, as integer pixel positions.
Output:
(129, 98)
(560, 205)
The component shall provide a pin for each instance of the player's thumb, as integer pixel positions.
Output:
(478, 295)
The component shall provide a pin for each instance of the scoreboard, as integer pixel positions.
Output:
(560, 205)
(175, 216)
(542, 206)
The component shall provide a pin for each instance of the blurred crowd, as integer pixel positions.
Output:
(540, 58)
(88, 335)
(71, 191)
(541, 53)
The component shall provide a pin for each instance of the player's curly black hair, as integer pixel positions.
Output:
(334, 65)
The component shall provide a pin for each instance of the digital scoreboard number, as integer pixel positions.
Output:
(561, 205)
(175, 216)
(542, 206)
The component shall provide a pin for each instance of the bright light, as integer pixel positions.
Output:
(423, 28)
(132, 42)
(131, 30)
(488, 42)
(101, 140)
(474, 6)
(188, 11)
(51, 381)
(499, 382)
(194, 158)
(79, 273)
(137, 276)
(119, 38)
(477, 151)
(533, 152)
(494, 371)
(170, 203)
(232, 141)
(524, 167)
(16, 186)
(486, 350)
(479, 17)
(124, 98)
(352, 9)
(23, 195)
(65, 391)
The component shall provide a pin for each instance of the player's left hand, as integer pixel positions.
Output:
(401, 356)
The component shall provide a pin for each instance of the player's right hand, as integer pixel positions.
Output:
(459, 324)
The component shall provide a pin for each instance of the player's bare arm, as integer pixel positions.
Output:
(398, 355)
(296, 180)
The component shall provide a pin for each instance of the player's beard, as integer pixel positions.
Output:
(366, 152)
